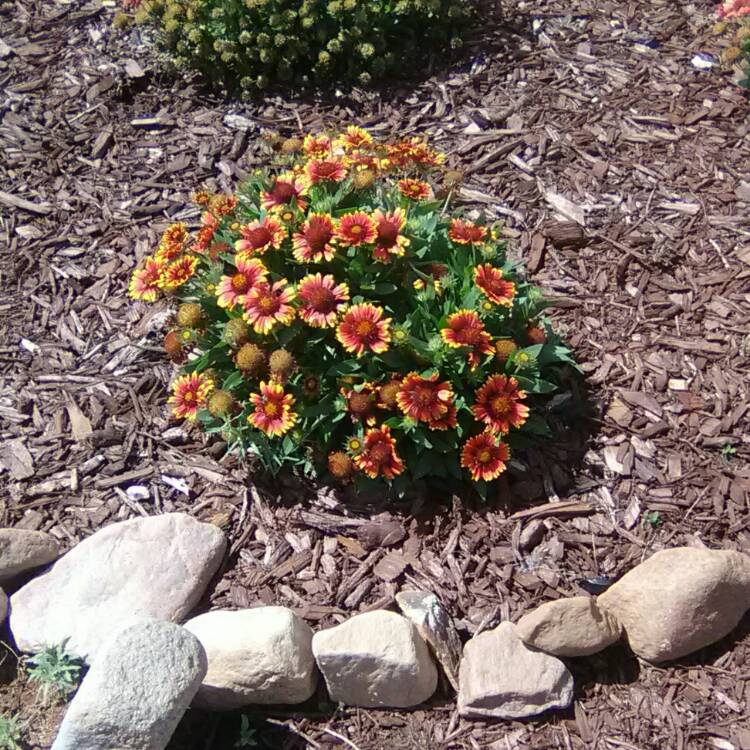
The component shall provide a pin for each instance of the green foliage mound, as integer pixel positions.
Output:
(252, 44)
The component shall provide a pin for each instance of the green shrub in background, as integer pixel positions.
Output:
(251, 44)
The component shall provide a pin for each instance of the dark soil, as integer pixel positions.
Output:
(593, 115)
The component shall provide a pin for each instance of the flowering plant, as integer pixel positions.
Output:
(255, 43)
(735, 17)
(334, 316)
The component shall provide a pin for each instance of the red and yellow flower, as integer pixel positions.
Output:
(172, 242)
(286, 188)
(425, 399)
(231, 289)
(316, 145)
(144, 283)
(464, 232)
(325, 170)
(190, 393)
(389, 241)
(466, 329)
(273, 413)
(322, 300)
(356, 229)
(415, 190)
(484, 457)
(498, 404)
(447, 422)
(223, 205)
(493, 285)
(267, 305)
(361, 403)
(364, 328)
(354, 138)
(178, 272)
(378, 456)
(413, 151)
(260, 236)
(314, 243)
(205, 235)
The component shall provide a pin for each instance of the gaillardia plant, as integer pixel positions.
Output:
(335, 316)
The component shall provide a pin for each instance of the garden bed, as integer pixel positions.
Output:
(598, 118)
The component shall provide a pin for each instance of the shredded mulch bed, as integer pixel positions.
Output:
(560, 118)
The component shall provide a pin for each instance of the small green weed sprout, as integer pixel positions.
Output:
(247, 735)
(55, 671)
(10, 733)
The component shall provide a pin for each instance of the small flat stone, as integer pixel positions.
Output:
(255, 656)
(503, 679)
(154, 568)
(434, 624)
(136, 691)
(376, 659)
(569, 627)
(22, 550)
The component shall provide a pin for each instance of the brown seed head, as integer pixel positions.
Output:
(281, 364)
(250, 359)
(340, 465)
(360, 404)
(173, 346)
(221, 403)
(453, 177)
(504, 348)
(236, 333)
(189, 315)
(363, 180)
(388, 393)
(291, 146)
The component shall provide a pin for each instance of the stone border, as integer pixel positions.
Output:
(104, 600)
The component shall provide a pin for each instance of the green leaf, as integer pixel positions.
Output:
(347, 367)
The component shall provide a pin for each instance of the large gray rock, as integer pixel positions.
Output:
(22, 550)
(680, 600)
(569, 627)
(376, 659)
(154, 568)
(261, 655)
(136, 691)
(434, 624)
(503, 679)
(3, 606)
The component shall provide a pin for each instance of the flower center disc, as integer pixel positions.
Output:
(259, 237)
(322, 300)
(500, 404)
(240, 283)
(387, 235)
(364, 328)
(268, 303)
(283, 192)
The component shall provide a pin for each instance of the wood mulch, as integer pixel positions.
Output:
(559, 117)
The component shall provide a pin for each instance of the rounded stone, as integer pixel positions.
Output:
(255, 656)
(569, 627)
(136, 691)
(154, 568)
(22, 550)
(376, 659)
(680, 600)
